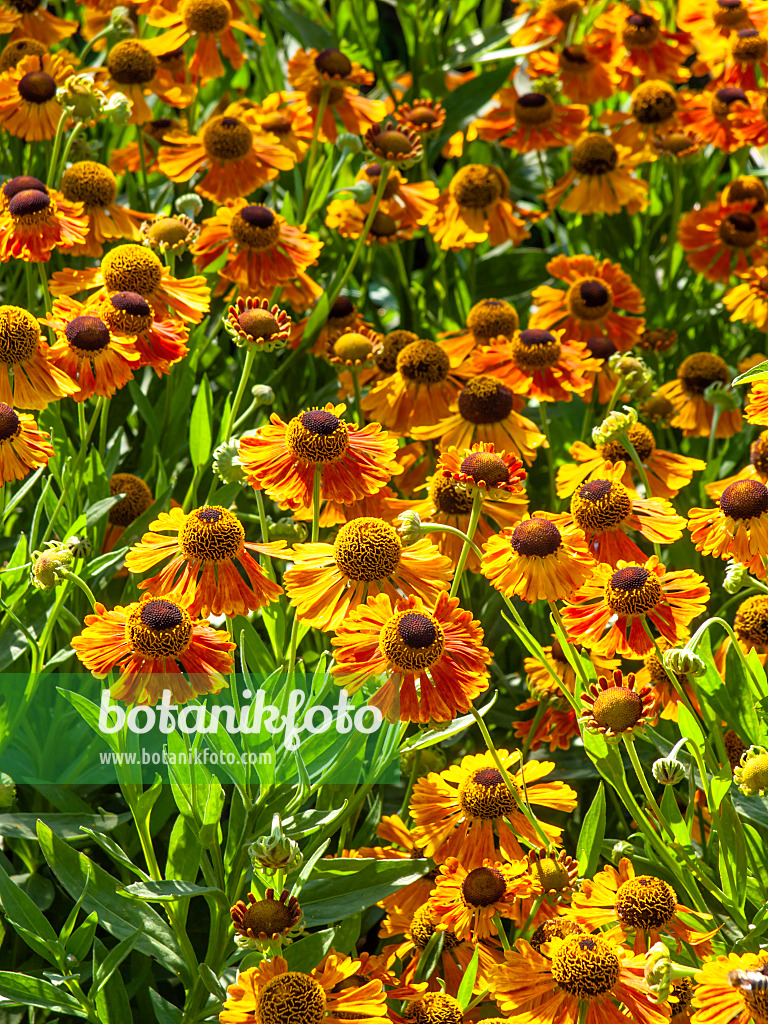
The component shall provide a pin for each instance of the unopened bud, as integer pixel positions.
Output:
(431, 759)
(50, 567)
(79, 546)
(189, 204)
(410, 526)
(668, 771)
(263, 394)
(122, 24)
(276, 851)
(614, 424)
(80, 96)
(684, 662)
(735, 577)
(118, 109)
(636, 376)
(658, 971)
(724, 398)
(348, 141)
(226, 463)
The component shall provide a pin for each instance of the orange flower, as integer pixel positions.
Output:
(477, 207)
(133, 70)
(424, 116)
(153, 133)
(737, 528)
(28, 378)
(717, 1001)
(599, 180)
(95, 186)
(583, 76)
(713, 23)
(748, 301)
(693, 413)
(411, 203)
(28, 105)
(328, 82)
(721, 240)
(467, 903)
(159, 342)
(716, 115)
(37, 221)
(22, 446)
(348, 218)
(288, 124)
(640, 47)
(34, 22)
(531, 121)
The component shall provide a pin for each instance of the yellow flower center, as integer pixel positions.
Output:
(138, 498)
(10, 424)
(367, 550)
(422, 929)
(158, 629)
(618, 708)
(447, 499)
(476, 186)
(352, 347)
(485, 400)
(746, 186)
(291, 998)
(492, 318)
(18, 48)
(37, 87)
(646, 902)
(633, 590)
(729, 14)
(551, 873)
(753, 774)
(89, 183)
(641, 440)
(555, 928)
(127, 313)
(333, 63)
(29, 205)
(483, 886)
(317, 436)
(640, 30)
(589, 298)
(434, 1008)
(87, 334)
(19, 335)
(412, 641)
(535, 350)
(131, 63)
(169, 231)
(423, 362)
(700, 370)
(391, 347)
(653, 102)
(723, 99)
(744, 499)
(206, 15)
(600, 505)
(534, 108)
(226, 138)
(594, 155)
(749, 46)
(132, 268)
(485, 795)
(536, 538)
(585, 966)
(486, 468)
(256, 227)
(751, 621)
(268, 917)
(211, 534)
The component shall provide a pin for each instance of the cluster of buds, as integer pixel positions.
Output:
(275, 852)
(87, 104)
(636, 376)
(736, 576)
(615, 424)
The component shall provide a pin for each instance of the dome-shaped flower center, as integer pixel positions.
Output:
(87, 333)
(653, 102)
(731, 14)
(317, 436)
(744, 187)
(555, 928)
(485, 795)
(434, 1008)
(744, 499)
(739, 230)
(291, 998)
(211, 534)
(18, 48)
(391, 347)
(21, 184)
(483, 886)
(749, 46)
(367, 549)
(89, 183)
(551, 873)
(533, 108)
(29, 203)
(391, 142)
(131, 63)
(594, 154)
(226, 138)
(485, 468)
(753, 775)
(485, 400)
(723, 100)
(423, 362)
(600, 347)
(589, 298)
(618, 708)
(640, 30)
(492, 318)
(10, 424)
(37, 87)
(585, 966)
(633, 590)
(700, 370)
(422, 117)
(412, 641)
(334, 63)
(535, 350)
(536, 538)
(641, 440)
(19, 335)
(169, 231)
(352, 347)
(476, 186)
(138, 498)
(265, 917)
(132, 268)
(256, 227)
(447, 499)
(751, 621)
(206, 15)
(127, 313)
(383, 226)
(422, 928)
(646, 902)
(600, 505)
(158, 629)
(258, 323)
(342, 313)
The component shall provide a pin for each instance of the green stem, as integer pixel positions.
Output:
(629, 743)
(92, 42)
(250, 355)
(502, 932)
(355, 374)
(536, 650)
(321, 108)
(477, 504)
(143, 159)
(264, 530)
(74, 578)
(550, 455)
(630, 448)
(443, 528)
(541, 708)
(44, 286)
(316, 503)
(52, 179)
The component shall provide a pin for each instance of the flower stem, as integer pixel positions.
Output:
(502, 932)
(550, 457)
(143, 159)
(477, 504)
(444, 528)
(321, 108)
(316, 503)
(52, 167)
(81, 584)
(250, 355)
(629, 743)
(355, 374)
(44, 287)
(264, 530)
(536, 650)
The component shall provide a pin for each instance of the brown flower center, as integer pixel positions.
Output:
(485, 400)
(131, 268)
(28, 203)
(423, 362)
(646, 902)
(483, 887)
(744, 499)
(585, 966)
(589, 299)
(749, 46)
(536, 538)
(594, 155)
(739, 230)
(317, 436)
(206, 15)
(37, 87)
(256, 227)
(291, 998)
(633, 590)
(492, 318)
(653, 102)
(476, 186)
(87, 333)
(485, 467)
(534, 350)
(89, 183)
(367, 550)
(534, 108)
(485, 795)
(618, 708)
(227, 138)
(447, 499)
(10, 424)
(158, 629)
(334, 63)
(211, 534)
(131, 63)
(700, 370)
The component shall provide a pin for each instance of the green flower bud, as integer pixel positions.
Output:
(189, 204)
(735, 577)
(410, 526)
(122, 24)
(668, 771)
(350, 142)
(263, 394)
(80, 547)
(722, 397)
(431, 759)
(636, 375)
(684, 662)
(276, 851)
(81, 97)
(614, 424)
(658, 971)
(51, 566)
(227, 465)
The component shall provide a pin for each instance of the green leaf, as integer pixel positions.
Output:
(430, 958)
(21, 990)
(174, 889)
(201, 425)
(112, 1003)
(96, 512)
(66, 826)
(733, 855)
(332, 898)
(759, 372)
(591, 836)
(112, 961)
(165, 1012)
(307, 953)
(464, 995)
(27, 919)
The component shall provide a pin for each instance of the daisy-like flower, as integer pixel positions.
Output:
(642, 48)
(600, 298)
(408, 204)
(207, 548)
(466, 902)
(495, 475)
(133, 70)
(95, 186)
(254, 322)
(745, 62)
(693, 413)
(537, 363)
(263, 252)
(236, 160)
(716, 116)
(424, 116)
(156, 645)
(461, 811)
(394, 144)
(751, 774)
(641, 904)
(599, 180)
(28, 105)
(137, 499)
(169, 233)
(713, 23)
(352, 350)
(748, 301)
(160, 342)
(626, 599)
(28, 378)
(266, 919)
(348, 218)
(652, 109)
(750, 624)
(327, 84)
(722, 240)
(667, 473)
(282, 458)
(432, 659)
(210, 24)
(137, 270)
(328, 581)
(531, 122)
(604, 510)
(484, 412)
(477, 207)
(737, 527)
(717, 1000)
(576, 970)
(536, 560)
(22, 446)
(617, 706)
(96, 360)
(486, 320)
(30, 20)
(582, 75)
(288, 123)
(37, 221)
(326, 995)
